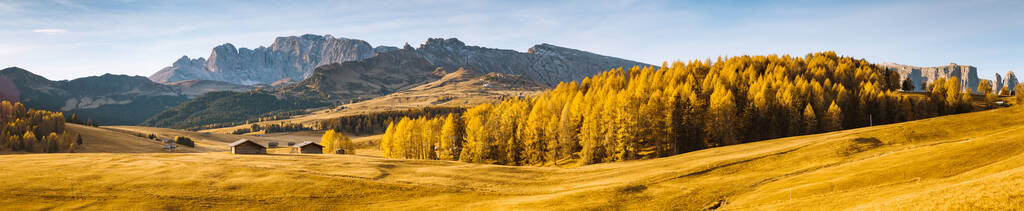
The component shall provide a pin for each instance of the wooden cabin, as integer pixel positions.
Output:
(246, 146)
(309, 148)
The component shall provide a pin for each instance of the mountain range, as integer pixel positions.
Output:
(391, 71)
(408, 67)
(108, 99)
(295, 58)
(288, 58)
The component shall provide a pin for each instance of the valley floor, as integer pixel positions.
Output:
(960, 162)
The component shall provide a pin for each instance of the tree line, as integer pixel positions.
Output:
(376, 123)
(272, 128)
(30, 130)
(649, 112)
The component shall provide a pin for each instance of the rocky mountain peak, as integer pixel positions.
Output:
(1010, 80)
(183, 59)
(226, 47)
(291, 57)
(545, 48)
(316, 37)
(440, 43)
(997, 84)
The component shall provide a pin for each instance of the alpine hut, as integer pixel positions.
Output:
(246, 146)
(309, 148)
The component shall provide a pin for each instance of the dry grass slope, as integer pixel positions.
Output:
(968, 161)
(460, 88)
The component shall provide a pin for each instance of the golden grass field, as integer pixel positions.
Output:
(970, 161)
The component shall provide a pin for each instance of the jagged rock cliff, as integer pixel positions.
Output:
(408, 67)
(292, 57)
(544, 63)
(968, 75)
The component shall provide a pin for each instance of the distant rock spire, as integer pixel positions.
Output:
(998, 84)
(1011, 81)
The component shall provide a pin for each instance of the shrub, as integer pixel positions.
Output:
(241, 131)
(185, 141)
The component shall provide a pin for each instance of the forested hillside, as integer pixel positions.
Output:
(219, 109)
(31, 130)
(648, 112)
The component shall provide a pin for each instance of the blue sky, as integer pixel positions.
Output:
(66, 39)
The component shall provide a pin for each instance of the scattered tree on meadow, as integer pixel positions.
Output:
(333, 141)
(185, 141)
(986, 89)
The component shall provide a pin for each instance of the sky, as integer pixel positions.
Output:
(67, 39)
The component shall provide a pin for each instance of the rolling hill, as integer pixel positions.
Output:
(966, 161)
(459, 88)
(108, 99)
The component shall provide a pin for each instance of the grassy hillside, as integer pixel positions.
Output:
(459, 88)
(962, 162)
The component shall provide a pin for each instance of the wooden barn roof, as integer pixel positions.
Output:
(303, 144)
(241, 141)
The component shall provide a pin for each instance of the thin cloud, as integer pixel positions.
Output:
(51, 31)
(8, 7)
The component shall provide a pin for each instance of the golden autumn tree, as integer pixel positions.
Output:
(1020, 97)
(833, 118)
(386, 140)
(591, 137)
(333, 141)
(450, 139)
(810, 120)
(722, 118)
(473, 149)
(985, 86)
